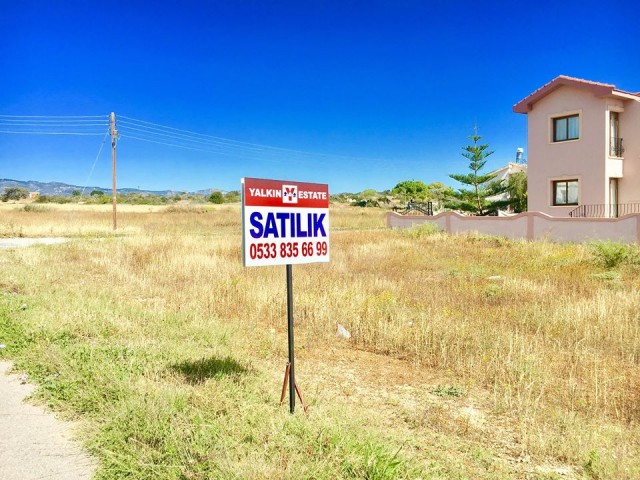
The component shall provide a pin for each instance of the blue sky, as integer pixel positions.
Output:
(356, 94)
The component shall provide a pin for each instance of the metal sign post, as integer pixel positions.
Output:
(292, 370)
(285, 223)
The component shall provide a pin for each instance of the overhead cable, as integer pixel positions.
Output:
(35, 132)
(48, 125)
(179, 137)
(95, 162)
(240, 144)
(54, 116)
(218, 151)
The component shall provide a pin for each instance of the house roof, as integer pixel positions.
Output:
(516, 167)
(598, 89)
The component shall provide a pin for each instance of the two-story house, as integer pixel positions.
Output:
(583, 149)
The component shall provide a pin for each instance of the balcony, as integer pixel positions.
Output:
(605, 210)
(616, 147)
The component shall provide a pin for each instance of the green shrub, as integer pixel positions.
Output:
(100, 199)
(232, 197)
(216, 197)
(14, 193)
(34, 208)
(448, 391)
(612, 254)
(492, 291)
(374, 462)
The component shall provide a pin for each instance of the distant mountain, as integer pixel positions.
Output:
(58, 188)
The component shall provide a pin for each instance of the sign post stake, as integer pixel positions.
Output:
(292, 378)
(285, 223)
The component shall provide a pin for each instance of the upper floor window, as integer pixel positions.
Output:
(566, 128)
(565, 192)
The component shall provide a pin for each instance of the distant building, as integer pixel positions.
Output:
(503, 174)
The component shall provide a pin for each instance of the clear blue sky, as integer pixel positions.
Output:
(374, 92)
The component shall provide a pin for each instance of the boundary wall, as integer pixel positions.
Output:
(530, 226)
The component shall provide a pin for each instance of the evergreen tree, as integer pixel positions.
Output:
(475, 199)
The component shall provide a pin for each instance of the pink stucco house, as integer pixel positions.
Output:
(583, 149)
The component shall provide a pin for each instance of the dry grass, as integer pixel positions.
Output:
(531, 332)
(96, 220)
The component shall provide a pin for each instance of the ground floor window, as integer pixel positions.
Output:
(565, 192)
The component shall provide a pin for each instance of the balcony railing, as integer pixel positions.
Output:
(612, 210)
(616, 147)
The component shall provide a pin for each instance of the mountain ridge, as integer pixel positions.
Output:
(65, 189)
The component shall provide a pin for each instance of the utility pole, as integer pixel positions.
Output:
(114, 137)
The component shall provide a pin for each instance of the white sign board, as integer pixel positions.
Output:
(284, 222)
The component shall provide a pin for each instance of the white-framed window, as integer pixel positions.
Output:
(566, 128)
(565, 192)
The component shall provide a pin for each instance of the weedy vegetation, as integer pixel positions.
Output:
(470, 356)
(613, 254)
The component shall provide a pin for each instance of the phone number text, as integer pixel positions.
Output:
(287, 250)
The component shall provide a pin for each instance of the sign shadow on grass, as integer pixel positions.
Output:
(198, 371)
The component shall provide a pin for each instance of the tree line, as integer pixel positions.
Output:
(99, 197)
(480, 194)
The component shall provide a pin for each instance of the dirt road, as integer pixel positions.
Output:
(34, 444)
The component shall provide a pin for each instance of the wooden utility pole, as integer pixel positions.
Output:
(114, 137)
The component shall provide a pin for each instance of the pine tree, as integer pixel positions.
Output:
(474, 199)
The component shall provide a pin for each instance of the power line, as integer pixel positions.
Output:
(226, 153)
(150, 132)
(218, 150)
(95, 162)
(183, 131)
(240, 144)
(48, 121)
(54, 116)
(159, 134)
(49, 125)
(27, 132)
(6, 118)
(194, 142)
(81, 125)
(122, 135)
(188, 136)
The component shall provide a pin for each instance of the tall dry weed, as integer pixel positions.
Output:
(557, 347)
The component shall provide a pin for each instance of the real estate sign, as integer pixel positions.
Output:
(284, 222)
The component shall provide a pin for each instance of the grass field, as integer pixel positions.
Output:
(470, 357)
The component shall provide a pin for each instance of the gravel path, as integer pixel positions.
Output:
(25, 242)
(34, 445)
